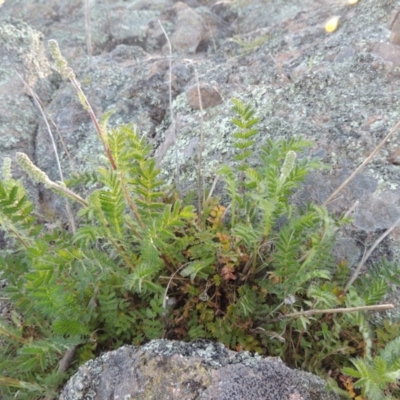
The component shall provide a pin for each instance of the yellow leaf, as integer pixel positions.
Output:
(216, 214)
(332, 24)
(351, 2)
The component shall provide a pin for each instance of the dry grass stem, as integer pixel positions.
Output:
(171, 111)
(40, 107)
(88, 32)
(200, 184)
(378, 307)
(366, 161)
(368, 254)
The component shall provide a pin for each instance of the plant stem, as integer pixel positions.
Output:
(68, 192)
(87, 29)
(200, 194)
(366, 161)
(39, 105)
(379, 307)
(171, 112)
(368, 254)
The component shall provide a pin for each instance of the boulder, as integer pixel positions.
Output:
(23, 62)
(168, 370)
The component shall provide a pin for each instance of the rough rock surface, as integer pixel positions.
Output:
(201, 370)
(338, 89)
(23, 59)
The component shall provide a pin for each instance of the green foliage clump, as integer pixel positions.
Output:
(248, 269)
(376, 374)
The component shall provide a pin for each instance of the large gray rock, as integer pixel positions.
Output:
(336, 89)
(111, 23)
(167, 370)
(23, 61)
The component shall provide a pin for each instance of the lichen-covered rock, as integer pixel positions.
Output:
(111, 23)
(168, 370)
(209, 96)
(190, 29)
(23, 59)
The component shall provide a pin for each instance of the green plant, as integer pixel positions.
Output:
(250, 269)
(375, 375)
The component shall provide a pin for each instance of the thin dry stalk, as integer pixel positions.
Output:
(368, 254)
(378, 307)
(366, 161)
(165, 299)
(48, 117)
(211, 34)
(200, 184)
(64, 364)
(345, 183)
(171, 111)
(169, 140)
(88, 32)
(213, 186)
(39, 105)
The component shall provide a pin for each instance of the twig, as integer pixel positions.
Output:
(212, 37)
(171, 112)
(65, 362)
(165, 299)
(351, 209)
(164, 303)
(366, 161)
(169, 140)
(38, 104)
(48, 117)
(368, 254)
(379, 307)
(214, 184)
(88, 29)
(345, 183)
(63, 365)
(200, 194)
